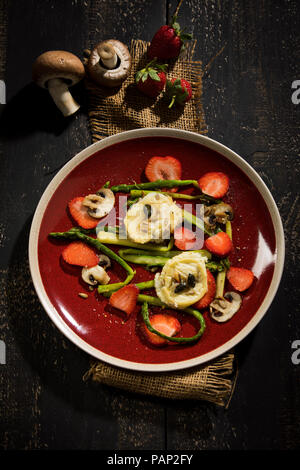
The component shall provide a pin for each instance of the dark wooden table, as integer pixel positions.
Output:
(44, 404)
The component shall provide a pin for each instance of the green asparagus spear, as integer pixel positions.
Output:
(221, 276)
(165, 254)
(76, 234)
(114, 239)
(152, 258)
(137, 193)
(228, 229)
(220, 283)
(148, 260)
(180, 340)
(126, 188)
(192, 219)
(145, 285)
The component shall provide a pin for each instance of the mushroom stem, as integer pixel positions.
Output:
(108, 55)
(61, 96)
(221, 276)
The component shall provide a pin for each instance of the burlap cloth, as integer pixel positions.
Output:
(114, 111)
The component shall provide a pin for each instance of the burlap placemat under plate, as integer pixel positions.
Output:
(113, 111)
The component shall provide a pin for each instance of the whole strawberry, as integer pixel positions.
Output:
(178, 91)
(152, 79)
(168, 41)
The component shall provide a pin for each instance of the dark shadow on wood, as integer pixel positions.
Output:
(32, 109)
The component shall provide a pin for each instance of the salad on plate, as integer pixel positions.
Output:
(179, 230)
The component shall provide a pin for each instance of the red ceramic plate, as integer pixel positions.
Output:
(101, 331)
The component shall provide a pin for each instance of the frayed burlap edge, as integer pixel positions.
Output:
(116, 110)
(213, 382)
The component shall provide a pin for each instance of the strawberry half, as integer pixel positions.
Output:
(240, 278)
(178, 91)
(219, 244)
(125, 298)
(214, 184)
(184, 239)
(210, 294)
(80, 214)
(163, 168)
(151, 80)
(168, 41)
(79, 254)
(163, 323)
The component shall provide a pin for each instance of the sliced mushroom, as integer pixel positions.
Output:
(218, 213)
(100, 204)
(109, 63)
(222, 309)
(104, 261)
(57, 71)
(95, 275)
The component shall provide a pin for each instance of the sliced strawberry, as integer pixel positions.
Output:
(240, 278)
(125, 298)
(214, 184)
(163, 168)
(80, 254)
(184, 239)
(80, 214)
(165, 324)
(219, 244)
(210, 294)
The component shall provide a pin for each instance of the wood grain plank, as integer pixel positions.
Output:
(140, 421)
(247, 103)
(45, 403)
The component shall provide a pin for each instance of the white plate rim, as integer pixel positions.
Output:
(156, 132)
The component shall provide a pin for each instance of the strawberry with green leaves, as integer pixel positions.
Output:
(178, 91)
(168, 41)
(151, 80)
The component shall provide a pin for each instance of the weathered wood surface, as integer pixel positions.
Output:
(44, 403)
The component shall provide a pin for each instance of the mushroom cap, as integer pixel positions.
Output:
(109, 77)
(57, 64)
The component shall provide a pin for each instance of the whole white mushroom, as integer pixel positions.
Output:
(109, 63)
(57, 71)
